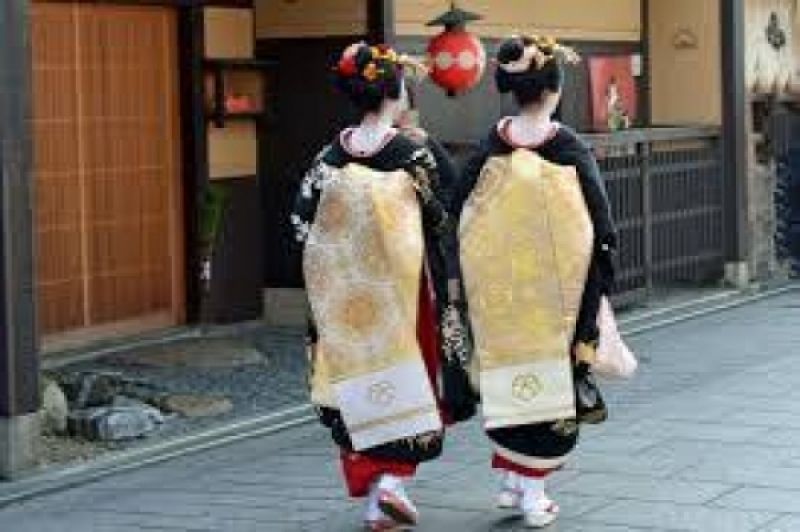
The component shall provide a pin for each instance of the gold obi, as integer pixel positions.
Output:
(526, 243)
(362, 265)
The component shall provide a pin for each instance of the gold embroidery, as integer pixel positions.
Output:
(565, 427)
(362, 265)
(387, 420)
(381, 393)
(526, 240)
(333, 214)
(360, 312)
(526, 387)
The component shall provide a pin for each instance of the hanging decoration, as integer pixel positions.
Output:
(457, 58)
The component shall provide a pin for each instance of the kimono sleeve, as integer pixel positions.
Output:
(307, 199)
(463, 186)
(302, 218)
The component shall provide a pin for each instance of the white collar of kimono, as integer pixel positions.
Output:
(527, 130)
(376, 129)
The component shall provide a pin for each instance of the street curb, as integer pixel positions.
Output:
(237, 431)
(738, 300)
(73, 476)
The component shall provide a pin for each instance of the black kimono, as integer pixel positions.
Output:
(550, 442)
(435, 180)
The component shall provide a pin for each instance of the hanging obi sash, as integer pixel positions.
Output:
(362, 265)
(526, 243)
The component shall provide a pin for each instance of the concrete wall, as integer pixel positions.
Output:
(685, 62)
(595, 20)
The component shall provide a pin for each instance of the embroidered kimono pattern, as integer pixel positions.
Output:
(363, 263)
(524, 289)
(545, 444)
(417, 162)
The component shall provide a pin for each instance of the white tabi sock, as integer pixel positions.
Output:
(373, 512)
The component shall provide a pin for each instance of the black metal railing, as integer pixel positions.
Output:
(666, 190)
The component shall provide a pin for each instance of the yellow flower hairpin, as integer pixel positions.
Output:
(370, 72)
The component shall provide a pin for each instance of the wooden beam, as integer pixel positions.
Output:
(172, 3)
(194, 146)
(380, 21)
(19, 365)
(734, 136)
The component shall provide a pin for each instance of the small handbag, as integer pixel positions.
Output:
(589, 404)
(614, 359)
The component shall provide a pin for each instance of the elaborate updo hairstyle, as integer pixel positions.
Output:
(527, 66)
(368, 75)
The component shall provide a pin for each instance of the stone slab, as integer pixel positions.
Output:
(19, 437)
(768, 499)
(655, 515)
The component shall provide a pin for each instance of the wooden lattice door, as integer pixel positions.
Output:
(107, 168)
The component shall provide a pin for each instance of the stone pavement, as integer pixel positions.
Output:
(707, 438)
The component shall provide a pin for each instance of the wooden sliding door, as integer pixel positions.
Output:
(107, 169)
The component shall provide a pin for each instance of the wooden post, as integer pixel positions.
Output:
(194, 148)
(643, 154)
(734, 141)
(19, 364)
(380, 21)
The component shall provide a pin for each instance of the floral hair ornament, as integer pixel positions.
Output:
(416, 68)
(379, 56)
(538, 53)
(347, 63)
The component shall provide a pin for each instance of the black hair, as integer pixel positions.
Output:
(368, 93)
(528, 86)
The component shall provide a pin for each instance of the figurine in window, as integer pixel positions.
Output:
(387, 342)
(618, 116)
(536, 237)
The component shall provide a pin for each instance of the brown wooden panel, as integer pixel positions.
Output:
(58, 217)
(107, 166)
(129, 119)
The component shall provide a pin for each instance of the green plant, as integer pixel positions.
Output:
(212, 214)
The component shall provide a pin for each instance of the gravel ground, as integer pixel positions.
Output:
(259, 371)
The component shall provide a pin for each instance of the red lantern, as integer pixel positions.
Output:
(457, 58)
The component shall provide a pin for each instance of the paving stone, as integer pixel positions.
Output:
(620, 485)
(768, 499)
(650, 515)
(765, 418)
(752, 475)
(207, 353)
(618, 444)
(718, 432)
(192, 406)
(644, 464)
(783, 524)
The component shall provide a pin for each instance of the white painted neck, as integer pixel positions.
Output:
(529, 129)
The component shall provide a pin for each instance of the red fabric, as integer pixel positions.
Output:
(500, 462)
(361, 471)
